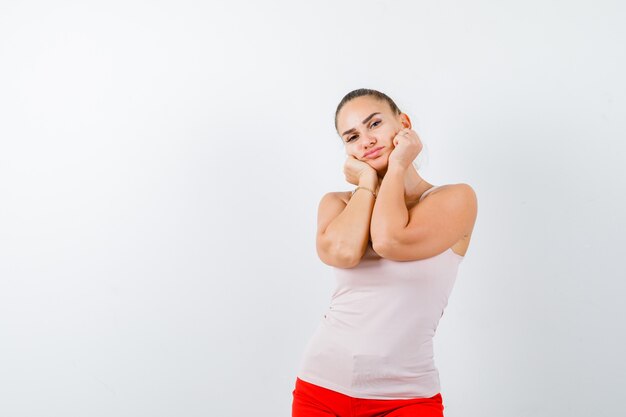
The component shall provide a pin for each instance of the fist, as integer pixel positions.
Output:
(354, 169)
(407, 145)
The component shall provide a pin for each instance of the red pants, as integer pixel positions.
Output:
(310, 400)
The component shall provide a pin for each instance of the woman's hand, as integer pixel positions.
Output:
(407, 145)
(356, 170)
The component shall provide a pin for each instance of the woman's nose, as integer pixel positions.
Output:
(369, 141)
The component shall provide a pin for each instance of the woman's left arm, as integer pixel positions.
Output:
(389, 215)
(429, 228)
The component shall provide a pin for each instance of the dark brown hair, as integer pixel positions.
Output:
(366, 92)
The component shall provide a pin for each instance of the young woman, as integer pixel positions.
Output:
(395, 255)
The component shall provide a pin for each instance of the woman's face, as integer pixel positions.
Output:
(366, 124)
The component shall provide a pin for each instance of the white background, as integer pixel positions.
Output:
(161, 165)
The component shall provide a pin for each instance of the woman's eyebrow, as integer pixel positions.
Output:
(364, 121)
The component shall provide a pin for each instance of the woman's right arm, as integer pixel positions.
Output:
(343, 229)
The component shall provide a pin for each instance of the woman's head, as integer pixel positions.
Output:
(366, 120)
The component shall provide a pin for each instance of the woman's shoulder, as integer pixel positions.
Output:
(461, 193)
(338, 195)
(343, 195)
(458, 187)
(333, 198)
(453, 185)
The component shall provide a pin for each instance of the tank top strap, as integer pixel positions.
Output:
(428, 191)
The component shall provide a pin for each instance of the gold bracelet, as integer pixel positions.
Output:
(365, 188)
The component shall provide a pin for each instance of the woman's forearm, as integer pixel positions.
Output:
(390, 214)
(349, 231)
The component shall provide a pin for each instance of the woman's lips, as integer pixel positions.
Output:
(374, 153)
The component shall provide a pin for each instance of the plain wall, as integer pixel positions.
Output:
(161, 164)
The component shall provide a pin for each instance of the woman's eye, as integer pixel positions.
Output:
(352, 137)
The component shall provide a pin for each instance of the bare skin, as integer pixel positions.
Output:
(460, 247)
(400, 145)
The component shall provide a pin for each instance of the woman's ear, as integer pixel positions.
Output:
(406, 120)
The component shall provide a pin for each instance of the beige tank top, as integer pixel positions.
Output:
(375, 340)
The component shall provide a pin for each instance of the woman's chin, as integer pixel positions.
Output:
(379, 162)
(379, 166)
